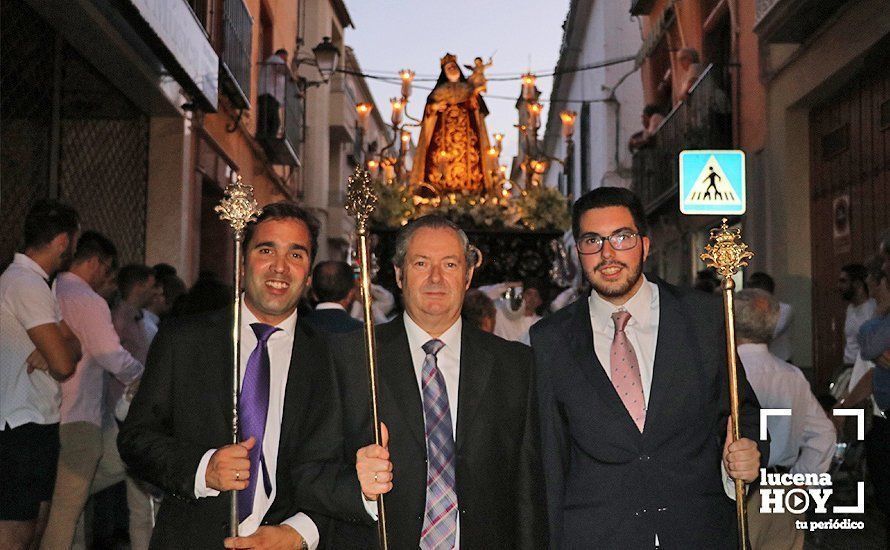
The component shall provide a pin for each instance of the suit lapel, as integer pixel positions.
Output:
(302, 353)
(396, 371)
(475, 367)
(214, 352)
(672, 352)
(584, 354)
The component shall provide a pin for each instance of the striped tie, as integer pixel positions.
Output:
(440, 517)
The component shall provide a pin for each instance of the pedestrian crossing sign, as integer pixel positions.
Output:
(712, 182)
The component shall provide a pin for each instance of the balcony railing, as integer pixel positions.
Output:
(702, 121)
(234, 52)
(280, 110)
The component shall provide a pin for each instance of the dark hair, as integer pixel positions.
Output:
(131, 275)
(332, 281)
(172, 286)
(431, 221)
(706, 281)
(761, 280)
(46, 220)
(856, 272)
(603, 197)
(477, 306)
(163, 270)
(284, 210)
(94, 244)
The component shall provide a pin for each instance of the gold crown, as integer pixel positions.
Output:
(449, 58)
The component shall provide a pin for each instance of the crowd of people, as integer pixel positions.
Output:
(613, 426)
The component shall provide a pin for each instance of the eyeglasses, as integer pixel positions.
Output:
(592, 243)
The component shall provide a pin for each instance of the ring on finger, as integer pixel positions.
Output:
(375, 477)
(237, 475)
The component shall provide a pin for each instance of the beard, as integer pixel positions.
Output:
(848, 294)
(617, 289)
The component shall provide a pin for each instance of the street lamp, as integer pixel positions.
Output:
(326, 55)
(363, 109)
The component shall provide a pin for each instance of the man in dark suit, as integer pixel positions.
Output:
(177, 435)
(634, 402)
(333, 286)
(461, 466)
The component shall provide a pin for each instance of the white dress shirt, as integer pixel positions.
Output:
(26, 302)
(448, 363)
(856, 316)
(150, 322)
(804, 441)
(280, 346)
(89, 318)
(641, 330)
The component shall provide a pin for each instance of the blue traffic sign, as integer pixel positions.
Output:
(712, 182)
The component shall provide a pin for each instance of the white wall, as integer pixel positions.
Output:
(603, 30)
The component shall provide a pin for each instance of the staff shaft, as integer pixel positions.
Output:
(728, 287)
(236, 370)
(371, 361)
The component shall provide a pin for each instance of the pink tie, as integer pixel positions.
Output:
(626, 371)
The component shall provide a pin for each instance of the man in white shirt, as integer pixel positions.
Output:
(88, 458)
(177, 434)
(459, 465)
(780, 346)
(861, 308)
(39, 350)
(634, 401)
(802, 443)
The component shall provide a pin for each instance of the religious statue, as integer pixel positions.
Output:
(451, 154)
(477, 75)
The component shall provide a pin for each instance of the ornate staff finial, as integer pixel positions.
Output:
(728, 253)
(239, 207)
(360, 198)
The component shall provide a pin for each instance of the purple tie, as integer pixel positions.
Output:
(253, 407)
(440, 517)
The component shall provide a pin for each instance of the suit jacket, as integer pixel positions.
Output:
(183, 408)
(606, 481)
(333, 320)
(498, 470)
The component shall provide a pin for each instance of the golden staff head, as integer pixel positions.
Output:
(727, 253)
(239, 207)
(360, 198)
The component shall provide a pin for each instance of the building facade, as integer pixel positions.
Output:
(607, 103)
(140, 112)
(826, 68)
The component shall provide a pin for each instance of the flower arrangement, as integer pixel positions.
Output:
(538, 208)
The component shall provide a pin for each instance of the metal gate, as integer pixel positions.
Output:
(67, 133)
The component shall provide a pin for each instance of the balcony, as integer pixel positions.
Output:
(792, 21)
(280, 110)
(234, 52)
(703, 121)
(342, 116)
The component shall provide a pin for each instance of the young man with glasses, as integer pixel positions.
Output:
(633, 399)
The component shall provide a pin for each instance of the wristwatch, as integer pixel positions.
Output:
(304, 545)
